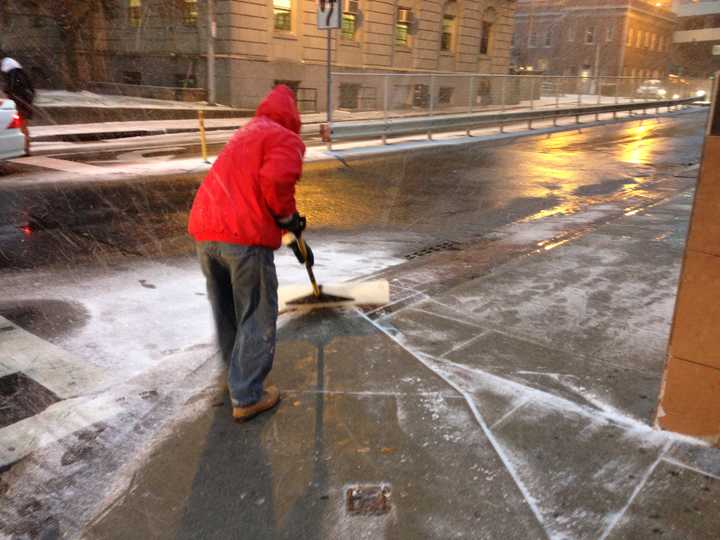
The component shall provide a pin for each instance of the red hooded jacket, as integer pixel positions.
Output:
(253, 179)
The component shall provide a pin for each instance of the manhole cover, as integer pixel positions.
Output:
(448, 245)
(21, 397)
(368, 500)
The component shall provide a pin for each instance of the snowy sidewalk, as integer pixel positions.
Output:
(506, 392)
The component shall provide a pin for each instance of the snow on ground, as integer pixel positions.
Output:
(142, 313)
(63, 98)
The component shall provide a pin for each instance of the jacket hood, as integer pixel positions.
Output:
(279, 105)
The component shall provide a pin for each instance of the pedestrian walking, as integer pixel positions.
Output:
(18, 87)
(238, 217)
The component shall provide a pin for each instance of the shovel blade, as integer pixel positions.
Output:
(301, 297)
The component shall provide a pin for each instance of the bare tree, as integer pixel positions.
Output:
(79, 22)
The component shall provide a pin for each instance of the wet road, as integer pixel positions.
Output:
(414, 200)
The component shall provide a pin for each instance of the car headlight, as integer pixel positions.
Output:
(661, 91)
(700, 93)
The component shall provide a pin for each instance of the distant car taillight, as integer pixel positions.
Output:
(16, 122)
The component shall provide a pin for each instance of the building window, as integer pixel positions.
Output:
(184, 80)
(282, 15)
(349, 95)
(349, 25)
(190, 12)
(638, 39)
(487, 30)
(647, 40)
(349, 20)
(446, 41)
(653, 41)
(571, 33)
(134, 12)
(131, 77)
(610, 32)
(447, 37)
(445, 95)
(590, 35)
(631, 33)
(533, 39)
(402, 27)
(548, 37)
(485, 37)
(661, 43)
(292, 85)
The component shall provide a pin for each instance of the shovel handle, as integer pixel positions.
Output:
(311, 274)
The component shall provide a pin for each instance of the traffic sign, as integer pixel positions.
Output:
(329, 14)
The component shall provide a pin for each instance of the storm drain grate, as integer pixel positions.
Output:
(21, 397)
(368, 500)
(448, 245)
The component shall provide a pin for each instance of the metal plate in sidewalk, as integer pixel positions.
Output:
(368, 500)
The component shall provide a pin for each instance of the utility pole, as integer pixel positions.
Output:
(212, 30)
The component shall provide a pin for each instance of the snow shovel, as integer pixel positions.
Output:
(305, 298)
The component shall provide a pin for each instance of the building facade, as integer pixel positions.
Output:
(696, 43)
(259, 43)
(620, 38)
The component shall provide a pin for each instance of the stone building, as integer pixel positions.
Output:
(630, 38)
(696, 43)
(163, 43)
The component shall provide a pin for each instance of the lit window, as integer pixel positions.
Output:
(590, 35)
(349, 20)
(190, 12)
(647, 39)
(446, 40)
(134, 12)
(638, 39)
(631, 33)
(402, 27)
(653, 41)
(349, 24)
(282, 14)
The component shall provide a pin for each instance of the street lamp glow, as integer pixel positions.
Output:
(700, 93)
(661, 92)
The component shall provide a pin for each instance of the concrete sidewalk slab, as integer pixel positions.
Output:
(349, 419)
(690, 513)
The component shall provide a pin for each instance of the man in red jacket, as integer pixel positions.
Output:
(238, 217)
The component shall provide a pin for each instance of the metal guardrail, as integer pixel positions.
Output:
(372, 129)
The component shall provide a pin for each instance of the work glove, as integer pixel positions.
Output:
(295, 224)
(291, 241)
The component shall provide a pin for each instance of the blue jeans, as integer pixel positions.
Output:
(242, 289)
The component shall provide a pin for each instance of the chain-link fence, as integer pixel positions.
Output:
(364, 96)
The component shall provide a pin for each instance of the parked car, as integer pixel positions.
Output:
(12, 141)
(652, 88)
